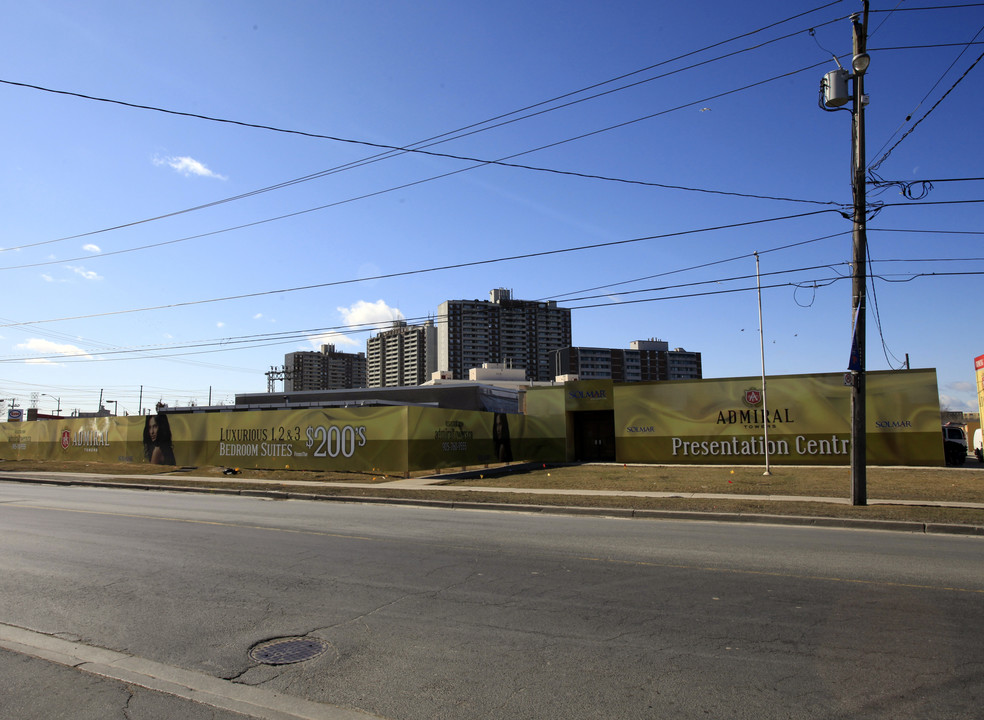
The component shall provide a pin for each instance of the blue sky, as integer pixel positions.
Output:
(714, 152)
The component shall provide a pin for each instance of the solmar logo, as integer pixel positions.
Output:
(752, 397)
(66, 439)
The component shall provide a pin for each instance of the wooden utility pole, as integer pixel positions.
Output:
(859, 479)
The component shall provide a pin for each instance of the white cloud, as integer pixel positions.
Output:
(87, 274)
(220, 324)
(187, 166)
(363, 316)
(961, 404)
(51, 348)
(378, 313)
(258, 316)
(90, 247)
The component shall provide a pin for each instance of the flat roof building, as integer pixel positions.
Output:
(644, 361)
(324, 370)
(402, 356)
(521, 334)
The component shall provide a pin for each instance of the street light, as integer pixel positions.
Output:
(58, 400)
(860, 63)
(765, 405)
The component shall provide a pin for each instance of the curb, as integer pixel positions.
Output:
(628, 513)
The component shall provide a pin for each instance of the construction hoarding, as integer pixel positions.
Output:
(808, 419)
(688, 422)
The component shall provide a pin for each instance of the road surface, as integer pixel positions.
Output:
(432, 613)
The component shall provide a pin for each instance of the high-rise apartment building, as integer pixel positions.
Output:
(645, 361)
(324, 370)
(402, 356)
(520, 334)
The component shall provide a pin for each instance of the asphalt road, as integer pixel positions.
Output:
(432, 613)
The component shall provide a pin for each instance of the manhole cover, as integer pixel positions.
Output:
(284, 651)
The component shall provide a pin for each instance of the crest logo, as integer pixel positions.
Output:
(66, 439)
(752, 397)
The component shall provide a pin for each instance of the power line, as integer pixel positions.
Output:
(257, 340)
(932, 8)
(935, 232)
(909, 278)
(478, 162)
(933, 46)
(711, 282)
(404, 273)
(266, 340)
(392, 151)
(694, 267)
(872, 168)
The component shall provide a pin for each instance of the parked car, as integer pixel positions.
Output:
(954, 444)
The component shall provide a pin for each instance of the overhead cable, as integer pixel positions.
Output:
(404, 273)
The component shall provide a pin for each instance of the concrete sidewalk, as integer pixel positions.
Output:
(433, 483)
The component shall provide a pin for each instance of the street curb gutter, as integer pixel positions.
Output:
(793, 520)
(198, 687)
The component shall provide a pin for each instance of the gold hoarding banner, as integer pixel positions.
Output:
(583, 395)
(544, 426)
(355, 439)
(441, 438)
(808, 418)
(97, 439)
(692, 422)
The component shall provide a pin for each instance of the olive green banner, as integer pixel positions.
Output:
(374, 439)
(103, 439)
(582, 395)
(357, 439)
(807, 418)
(544, 435)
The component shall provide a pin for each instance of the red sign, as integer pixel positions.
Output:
(66, 439)
(979, 363)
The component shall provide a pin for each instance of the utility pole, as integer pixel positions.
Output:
(835, 95)
(859, 479)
